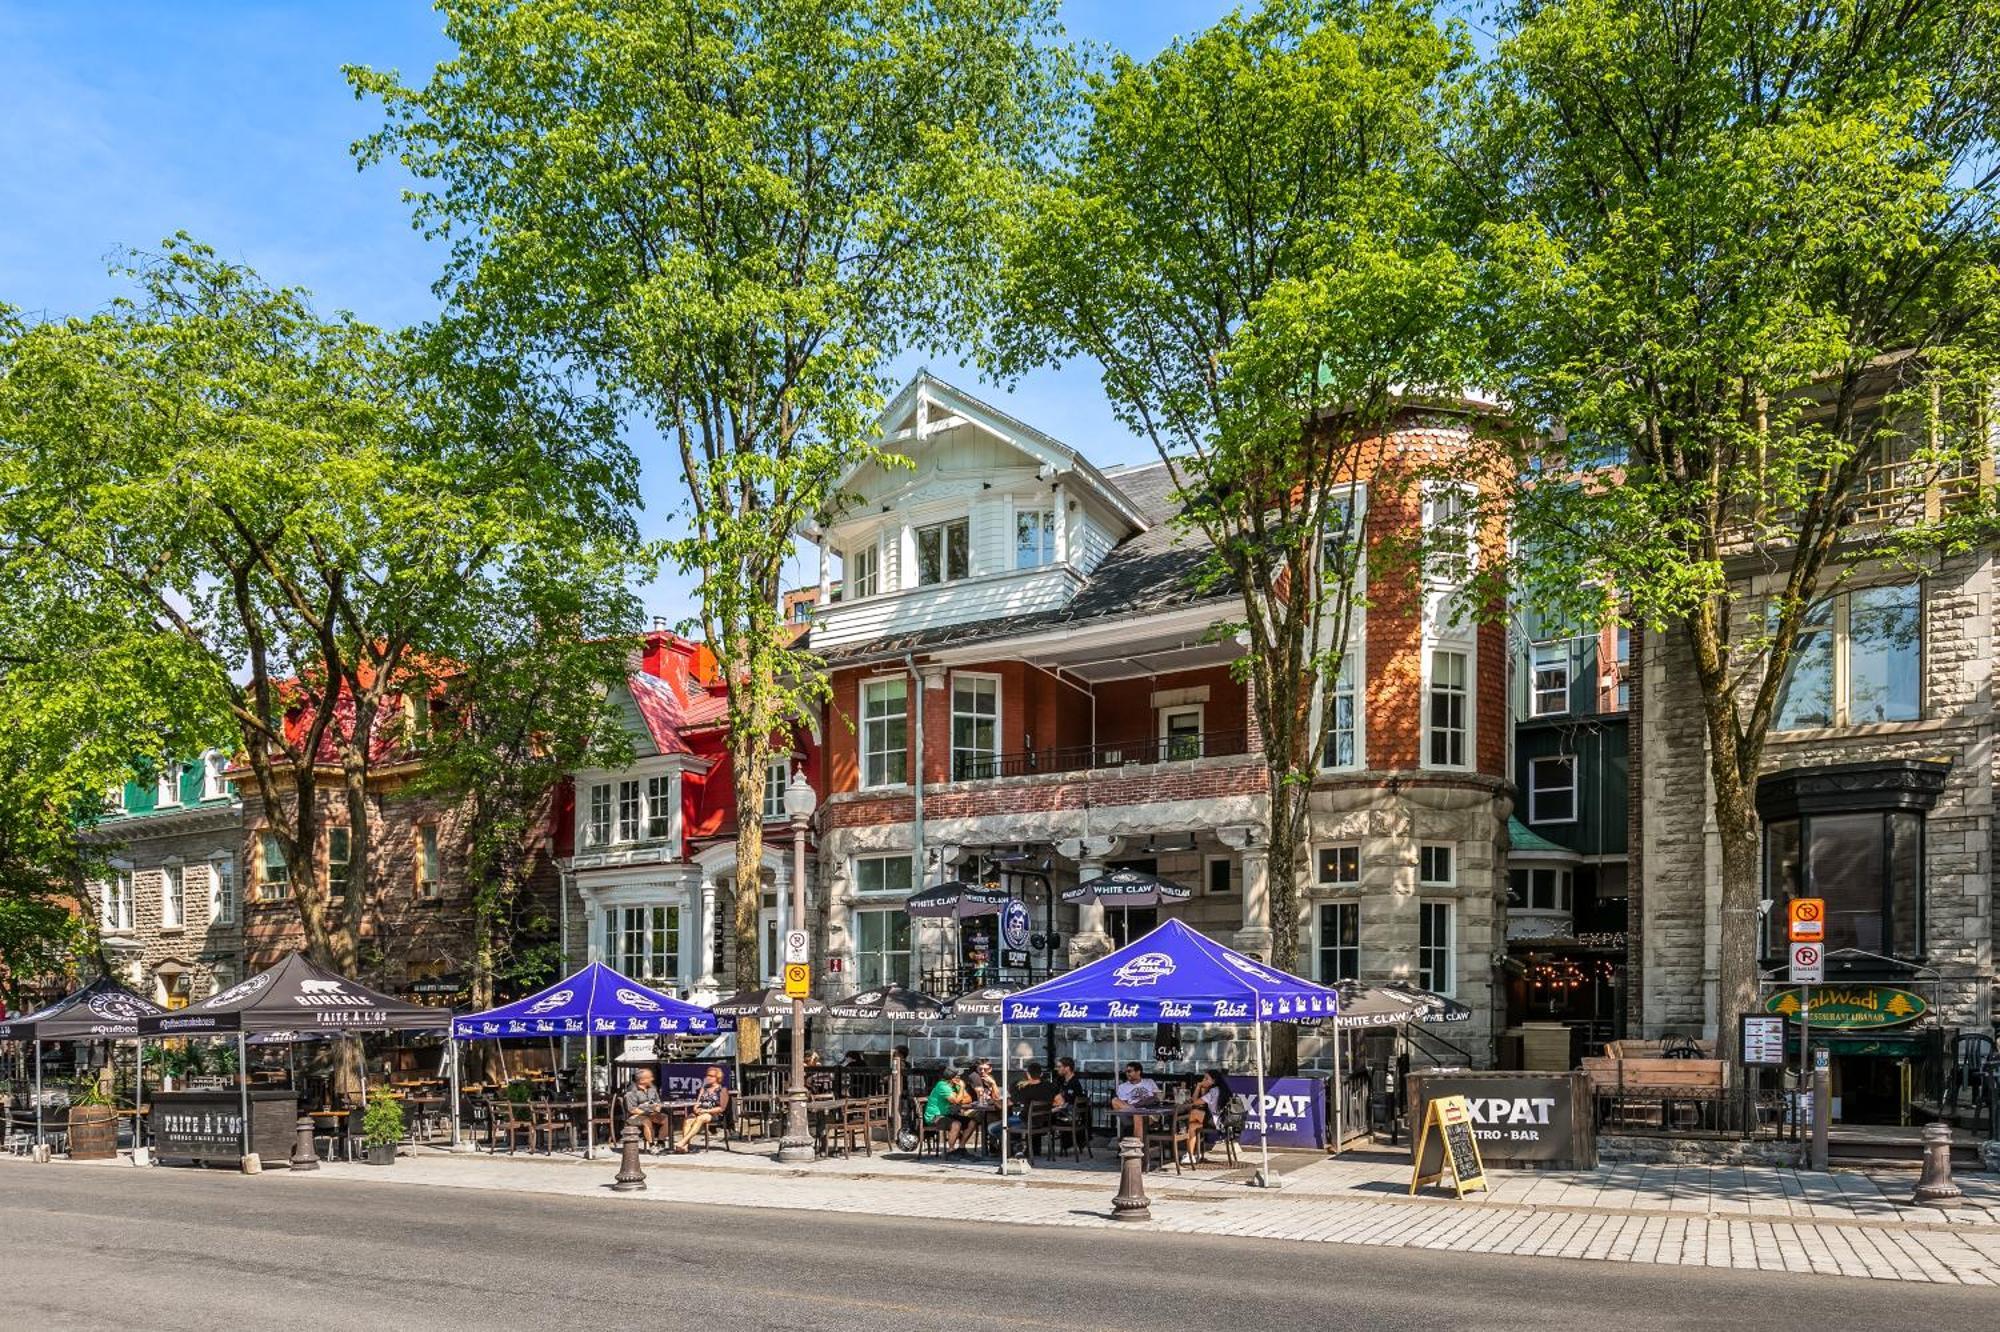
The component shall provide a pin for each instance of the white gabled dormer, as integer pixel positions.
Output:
(989, 518)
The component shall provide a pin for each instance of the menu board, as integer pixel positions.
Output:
(1763, 1039)
(1458, 1155)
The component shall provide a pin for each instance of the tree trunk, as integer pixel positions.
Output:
(1287, 866)
(746, 762)
(1733, 760)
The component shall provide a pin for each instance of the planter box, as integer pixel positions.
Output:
(93, 1133)
(382, 1155)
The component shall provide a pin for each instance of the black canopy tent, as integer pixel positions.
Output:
(103, 1010)
(302, 1000)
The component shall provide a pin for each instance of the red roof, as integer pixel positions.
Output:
(662, 711)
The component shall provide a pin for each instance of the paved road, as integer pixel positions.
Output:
(171, 1249)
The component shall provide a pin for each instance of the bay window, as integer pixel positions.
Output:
(629, 814)
(659, 808)
(1445, 718)
(597, 827)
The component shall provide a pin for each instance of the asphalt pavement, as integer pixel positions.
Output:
(175, 1248)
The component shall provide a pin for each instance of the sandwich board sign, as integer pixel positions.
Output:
(1458, 1156)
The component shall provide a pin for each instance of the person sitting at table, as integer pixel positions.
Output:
(1070, 1094)
(985, 1091)
(812, 1059)
(642, 1105)
(854, 1059)
(711, 1102)
(1031, 1087)
(950, 1105)
(1211, 1093)
(1136, 1092)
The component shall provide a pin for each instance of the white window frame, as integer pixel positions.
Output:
(1538, 789)
(1045, 553)
(1208, 865)
(167, 786)
(1444, 954)
(660, 806)
(630, 812)
(777, 775)
(883, 890)
(861, 572)
(1200, 737)
(944, 528)
(221, 892)
(430, 856)
(990, 757)
(1343, 688)
(1467, 729)
(267, 845)
(1320, 879)
(599, 816)
(1426, 877)
(870, 724)
(897, 962)
(1339, 907)
(1550, 655)
(1443, 505)
(213, 787)
(118, 910)
(659, 929)
(348, 861)
(173, 894)
(1560, 888)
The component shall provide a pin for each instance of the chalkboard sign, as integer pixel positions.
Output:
(1457, 1150)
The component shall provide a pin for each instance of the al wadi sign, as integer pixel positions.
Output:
(1852, 1007)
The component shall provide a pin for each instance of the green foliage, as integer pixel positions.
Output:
(382, 1121)
(88, 1091)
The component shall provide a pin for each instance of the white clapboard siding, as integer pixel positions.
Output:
(968, 600)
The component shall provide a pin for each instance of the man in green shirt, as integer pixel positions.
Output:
(950, 1104)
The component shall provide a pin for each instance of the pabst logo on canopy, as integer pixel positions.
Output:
(633, 999)
(1070, 1010)
(1249, 968)
(548, 1003)
(1145, 969)
(1171, 1008)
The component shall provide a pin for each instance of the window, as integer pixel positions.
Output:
(1339, 867)
(221, 893)
(975, 727)
(1859, 660)
(168, 790)
(628, 811)
(943, 554)
(1552, 789)
(777, 773)
(1538, 889)
(274, 875)
(659, 808)
(1446, 717)
(118, 900)
(1339, 751)
(1548, 687)
(114, 799)
(1218, 871)
(882, 874)
(1339, 942)
(885, 723)
(1434, 948)
(1340, 549)
(418, 705)
(173, 897)
(882, 947)
(1448, 535)
(1434, 867)
(645, 942)
(1180, 734)
(430, 865)
(1034, 538)
(802, 611)
(213, 787)
(864, 571)
(1867, 866)
(1624, 651)
(338, 845)
(597, 832)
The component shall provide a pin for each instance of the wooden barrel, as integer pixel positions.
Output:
(93, 1133)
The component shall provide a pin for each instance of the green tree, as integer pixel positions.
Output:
(299, 502)
(1244, 239)
(1742, 252)
(729, 215)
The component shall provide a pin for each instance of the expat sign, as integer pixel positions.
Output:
(1295, 1108)
(1518, 1118)
(679, 1082)
(1852, 1007)
(1457, 1153)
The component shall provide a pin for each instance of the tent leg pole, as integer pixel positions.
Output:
(589, 1107)
(39, 1135)
(1339, 1094)
(1263, 1111)
(243, 1088)
(451, 1044)
(138, 1096)
(1006, 1046)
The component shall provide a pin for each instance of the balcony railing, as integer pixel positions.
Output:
(1120, 754)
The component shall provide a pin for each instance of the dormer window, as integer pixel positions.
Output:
(213, 786)
(864, 571)
(169, 792)
(1034, 538)
(944, 552)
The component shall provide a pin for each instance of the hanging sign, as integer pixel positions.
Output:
(1852, 1007)
(798, 980)
(1014, 925)
(1805, 920)
(1458, 1157)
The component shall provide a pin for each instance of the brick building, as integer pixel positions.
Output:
(1024, 675)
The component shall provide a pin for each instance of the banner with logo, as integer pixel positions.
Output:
(1293, 1108)
(295, 996)
(596, 1001)
(1173, 974)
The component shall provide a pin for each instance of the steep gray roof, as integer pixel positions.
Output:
(1144, 574)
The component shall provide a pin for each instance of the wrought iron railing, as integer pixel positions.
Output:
(1120, 754)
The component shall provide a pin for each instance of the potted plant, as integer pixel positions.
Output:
(382, 1129)
(93, 1122)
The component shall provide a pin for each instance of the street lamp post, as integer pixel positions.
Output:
(796, 1148)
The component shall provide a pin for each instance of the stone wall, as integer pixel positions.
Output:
(202, 842)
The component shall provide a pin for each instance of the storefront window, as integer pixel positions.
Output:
(1868, 867)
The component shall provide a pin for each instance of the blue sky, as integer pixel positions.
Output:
(121, 123)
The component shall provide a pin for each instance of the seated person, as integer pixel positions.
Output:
(1211, 1093)
(1136, 1092)
(985, 1091)
(854, 1059)
(950, 1107)
(642, 1105)
(1070, 1093)
(711, 1102)
(1031, 1089)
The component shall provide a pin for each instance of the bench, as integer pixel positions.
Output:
(1635, 1090)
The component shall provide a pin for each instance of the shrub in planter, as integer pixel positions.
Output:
(382, 1129)
(93, 1123)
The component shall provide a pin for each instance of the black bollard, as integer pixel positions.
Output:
(1131, 1203)
(630, 1177)
(304, 1157)
(1935, 1189)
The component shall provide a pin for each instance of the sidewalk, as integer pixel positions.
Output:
(1839, 1223)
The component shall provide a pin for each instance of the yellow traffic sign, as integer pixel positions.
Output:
(798, 980)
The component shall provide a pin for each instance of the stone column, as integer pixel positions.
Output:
(1254, 937)
(1091, 939)
(704, 967)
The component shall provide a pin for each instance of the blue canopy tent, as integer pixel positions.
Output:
(1174, 974)
(596, 1001)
